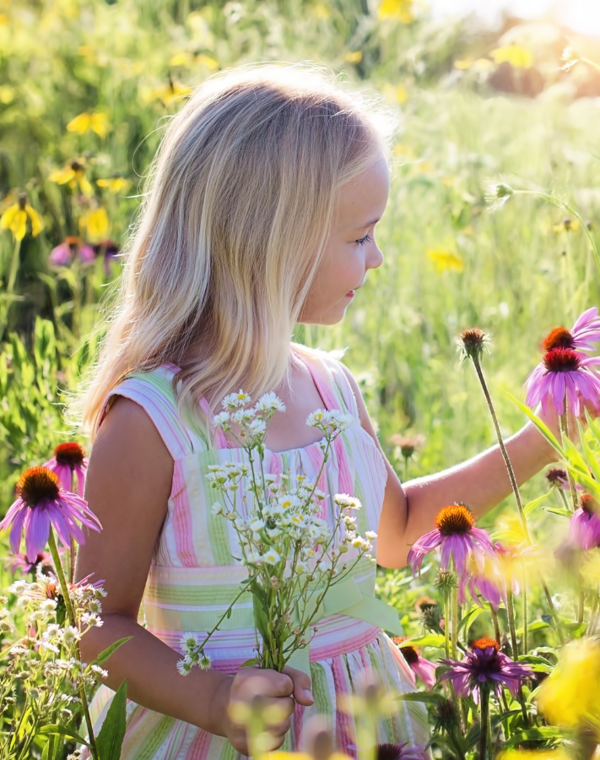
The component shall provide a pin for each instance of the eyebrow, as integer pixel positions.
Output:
(368, 224)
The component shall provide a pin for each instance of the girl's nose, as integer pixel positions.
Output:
(374, 257)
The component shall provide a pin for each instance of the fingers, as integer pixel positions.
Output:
(302, 686)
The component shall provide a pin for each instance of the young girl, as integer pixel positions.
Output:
(261, 214)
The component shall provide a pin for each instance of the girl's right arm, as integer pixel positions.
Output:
(128, 485)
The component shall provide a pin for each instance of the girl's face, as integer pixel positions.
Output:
(351, 249)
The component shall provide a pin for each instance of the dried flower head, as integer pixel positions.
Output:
(472, 343)
(497, 194)
(407, 444)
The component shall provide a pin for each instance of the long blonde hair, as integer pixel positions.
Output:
(232, 229)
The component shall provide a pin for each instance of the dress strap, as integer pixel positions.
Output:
(153, 391)
(331, 381)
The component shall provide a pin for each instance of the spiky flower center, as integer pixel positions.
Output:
(389, 751)
(454, 520)
(485, 643)
(588, 504)
(473, 341)
(560, 337)
(562, 360)
(556, 477)
(37, 485)
(70, 454)
(411, 654)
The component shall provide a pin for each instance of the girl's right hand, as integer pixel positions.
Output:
(273, 688)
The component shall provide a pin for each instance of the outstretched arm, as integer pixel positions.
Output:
(410, 509)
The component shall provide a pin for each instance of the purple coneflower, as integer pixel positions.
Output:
(400, 752)
(482, 579)
(563, 373)
(64, 253)
(584, 528)
(69, 458)
(485, 664)
(581, 337)
(21, 562)
(458, 538)
(43, 503)
(425, 669)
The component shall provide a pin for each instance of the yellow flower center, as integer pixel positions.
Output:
(37, 484)
(453, 520)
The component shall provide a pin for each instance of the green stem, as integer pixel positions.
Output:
(484, 753)
(14, 268)
(510, 611)
(507, 462)
(71, 617)
(564, 433)
(581, 606)
(497, 634)
(525, 626)
(447, 622)
(454, 613)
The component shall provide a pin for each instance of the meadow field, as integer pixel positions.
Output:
(86, 90)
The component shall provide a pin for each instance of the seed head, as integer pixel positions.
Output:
(407, 444)
(445, 580)
(37, 485)
(454, 520)
(472, 343)
(561, 360)
(445, 715)
(589, 504)
(560, 337)
(556, 477)
(70, 454)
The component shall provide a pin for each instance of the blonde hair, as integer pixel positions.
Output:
(232, 229)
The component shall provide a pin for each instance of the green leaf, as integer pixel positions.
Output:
(428, 640)
(540, 734)
(592, 462)
(429, 697)
(530, 506)
(57, 729)
(541, 426)
(468, 620)
(110, 739)
(249, 663)
(558, 511)
(104, 655)
(538, 625)
(261, 620)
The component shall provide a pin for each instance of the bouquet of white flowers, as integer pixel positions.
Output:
(293, 555)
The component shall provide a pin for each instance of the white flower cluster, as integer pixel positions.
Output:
(290, 550)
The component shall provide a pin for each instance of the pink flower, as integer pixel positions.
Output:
(400, 752)
(564, 374)
(485, 664)
(581, 337)
(43, 503)
(584, 528)
(64, 253)
(458, 539)
(20, 562)
(425, 669)
(69, 459)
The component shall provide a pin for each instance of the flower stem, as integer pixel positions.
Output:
(564, 433)
(497, 634)
(447, 622)
(71, 617)
(507, 462)
(454, 613)
(510, 611)
(525, 631)
(484, 754)
(14, 268)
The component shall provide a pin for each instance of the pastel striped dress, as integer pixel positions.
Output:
(193, 577)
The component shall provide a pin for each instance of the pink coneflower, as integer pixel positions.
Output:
(69, 459)
(425, 669)
(584, 528)
(564, 374)
(581, 337)
(64, 253)
(20, 562)
(400, 752)
(43, 503)
(482, 581)
(458, 538)
(485, 664)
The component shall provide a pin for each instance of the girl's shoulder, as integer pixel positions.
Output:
(333, 374)
(154, 391)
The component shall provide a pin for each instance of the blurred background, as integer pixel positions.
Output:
(483, 92)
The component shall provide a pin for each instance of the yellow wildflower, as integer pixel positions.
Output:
(354, 57)
(516, 55)
(206, 60)
(322, 11)
(169, 92)
(15, 219)
(115, 184)
(73, 174)
(463, 64)
(86, 122)
(534, 754)
(570, 695)
(566, 225)
(95, 223)
(400, 10)
(445, 260)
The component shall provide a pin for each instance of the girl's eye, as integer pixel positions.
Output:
(365, 239)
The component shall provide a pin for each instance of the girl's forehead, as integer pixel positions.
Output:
(362, 201)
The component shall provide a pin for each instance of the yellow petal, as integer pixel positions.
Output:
(180, 59)
(36, 220)
(62, 176)
(401, 10)
(99, 124)
(463, 64)
(80, 124)
(206, 60)
(95, 223)
(7, 218)
(446, 260)
(516, 55)
(354, 57)
(84, 184)
(114, 184)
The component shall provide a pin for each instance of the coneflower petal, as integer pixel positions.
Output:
(17, 525)
(37, 530)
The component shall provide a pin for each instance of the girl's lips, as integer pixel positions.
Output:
(350, 294)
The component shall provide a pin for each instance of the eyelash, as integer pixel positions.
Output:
(365, 239)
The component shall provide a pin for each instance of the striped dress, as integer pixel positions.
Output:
(193, 577)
